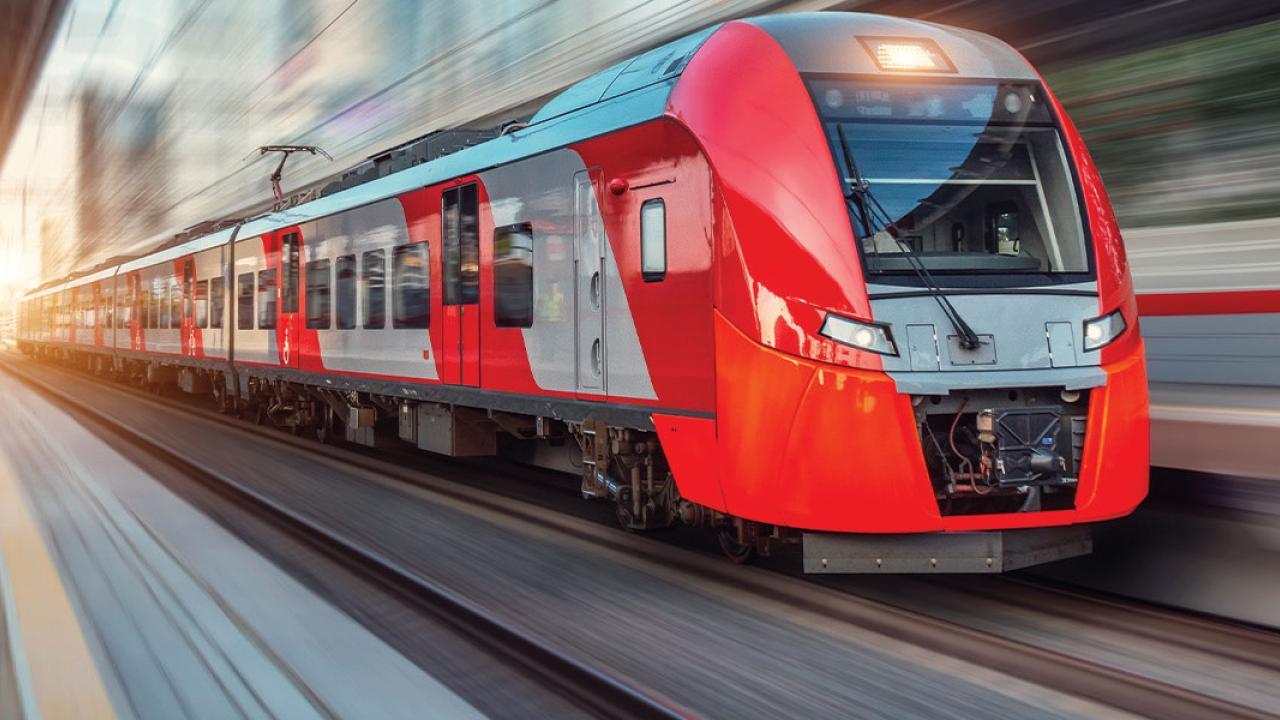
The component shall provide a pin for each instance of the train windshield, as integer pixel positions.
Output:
(962, 178)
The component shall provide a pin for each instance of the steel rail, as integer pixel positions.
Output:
(1060, 671)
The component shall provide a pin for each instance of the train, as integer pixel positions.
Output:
(839, 281)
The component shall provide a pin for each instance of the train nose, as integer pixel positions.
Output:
(839, 449)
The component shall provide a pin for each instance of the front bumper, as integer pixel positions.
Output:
(990, 551)
(807, 445)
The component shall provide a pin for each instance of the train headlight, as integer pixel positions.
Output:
(907, 54)
(864, 336)
(1100, 332)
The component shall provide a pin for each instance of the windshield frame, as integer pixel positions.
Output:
(966, 278)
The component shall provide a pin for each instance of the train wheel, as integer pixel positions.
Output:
(738, 552)
(325, 429)
(622, 510)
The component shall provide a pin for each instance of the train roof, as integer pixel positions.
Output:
(626, 94)
(830, 43)
(629, 93)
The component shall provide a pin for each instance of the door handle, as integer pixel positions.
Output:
(597, 362)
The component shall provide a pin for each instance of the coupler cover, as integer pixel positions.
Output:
(1029, 445)
(991, 551)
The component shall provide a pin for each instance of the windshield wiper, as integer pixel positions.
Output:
(867, 205)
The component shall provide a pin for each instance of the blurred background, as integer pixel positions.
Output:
(128, 120)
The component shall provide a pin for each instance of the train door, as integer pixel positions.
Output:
(99, 316)
(460, 271)
(187, 326)
(588, 263)
(136, 317)
(288, 325)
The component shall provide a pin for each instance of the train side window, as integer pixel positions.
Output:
(469, 272)
(162, 299)
(107, 300)
(217, 302)
(318, 282)
(513, 276)
(289, 268)
(124, 305)
(267, 299)
(653, 240)
(449, 234)
(460, 231)
(202, 304)
(244, 301)
(373, 272)
(411, 279)
(344, 287)
(175, 303)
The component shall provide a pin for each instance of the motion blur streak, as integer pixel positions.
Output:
(146, 111)
(143, 118)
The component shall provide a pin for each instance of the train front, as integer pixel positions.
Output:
(925, 320)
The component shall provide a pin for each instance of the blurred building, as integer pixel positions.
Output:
(148, 112)
(146, 116)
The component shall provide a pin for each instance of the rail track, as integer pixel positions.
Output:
(609, 696)
(594, 691)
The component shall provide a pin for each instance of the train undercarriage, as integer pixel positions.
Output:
(985, 451)
(622, 466)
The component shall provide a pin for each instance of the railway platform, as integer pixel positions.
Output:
(121, 600)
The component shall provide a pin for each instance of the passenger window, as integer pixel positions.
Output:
(202, 303)
(460, 230)
(266, 299)
(108, 302)
(175, 303)
(162, 298)
(124, 305)
(653, 240)
(217, 302)
(513, 276)
(411, 280)
(244, 301)
(373, 273)
(318, 311)
(345, 291)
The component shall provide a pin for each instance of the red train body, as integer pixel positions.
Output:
(679, 266)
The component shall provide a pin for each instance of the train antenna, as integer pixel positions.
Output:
(285, 151)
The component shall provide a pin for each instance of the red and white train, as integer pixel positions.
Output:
(834, 276)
